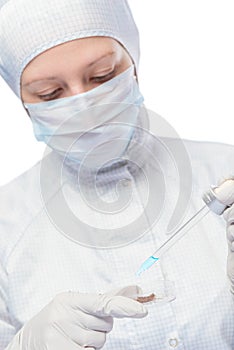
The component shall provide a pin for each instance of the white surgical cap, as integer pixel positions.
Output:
(29, 27)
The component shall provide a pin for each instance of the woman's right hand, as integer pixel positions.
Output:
(77, 320)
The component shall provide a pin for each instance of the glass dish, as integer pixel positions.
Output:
(156, 291)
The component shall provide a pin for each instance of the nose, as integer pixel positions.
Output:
(77, 88)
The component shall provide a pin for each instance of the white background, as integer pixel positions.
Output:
(186, 75)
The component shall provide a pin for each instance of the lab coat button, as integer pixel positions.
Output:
(173, 342)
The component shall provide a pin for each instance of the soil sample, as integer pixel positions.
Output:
(146, 299)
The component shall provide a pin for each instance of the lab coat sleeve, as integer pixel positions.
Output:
(13, 216)
(7, 330)
(20, 201)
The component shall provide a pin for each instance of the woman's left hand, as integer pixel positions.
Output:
(225, 193)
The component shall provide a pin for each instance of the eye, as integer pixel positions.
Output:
(51, 95)
(103, 78)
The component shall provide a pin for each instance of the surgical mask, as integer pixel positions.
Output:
(93, 128)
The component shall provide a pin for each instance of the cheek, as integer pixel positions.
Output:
(125, 62)
(122, 55)
(127, 59)
(25, 97)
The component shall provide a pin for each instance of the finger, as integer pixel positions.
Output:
(230, 267)
(229, 215)
(119, 307)
(79, 336)
(129, 291)
(93, 339)
(89, 338)
(225, 178)
(55, 339)
(230, 238)
(225, 192)
(103, 305)
(115, 306)
(230, 234)
(75, 319)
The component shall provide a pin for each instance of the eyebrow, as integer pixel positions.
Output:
(100, 58)
(89, 65)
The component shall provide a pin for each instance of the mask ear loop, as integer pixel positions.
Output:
(135, 73)
(25, 108)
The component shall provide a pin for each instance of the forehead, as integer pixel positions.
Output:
(83, 50)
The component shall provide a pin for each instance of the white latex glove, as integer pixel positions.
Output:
(73, 321)
(225, 193)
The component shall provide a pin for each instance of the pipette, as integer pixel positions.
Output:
(212, 204)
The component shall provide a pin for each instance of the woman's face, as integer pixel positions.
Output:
(72, 68)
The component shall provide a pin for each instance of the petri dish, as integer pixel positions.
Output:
(156, 291)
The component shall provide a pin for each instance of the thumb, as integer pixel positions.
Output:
(225, 192)
(103, 305)
(125, 306)
(130, 291)
(120, 306)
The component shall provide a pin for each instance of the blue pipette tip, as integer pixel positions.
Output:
(147, 264)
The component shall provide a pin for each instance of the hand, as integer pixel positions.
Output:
(225, 193)
(76, 320)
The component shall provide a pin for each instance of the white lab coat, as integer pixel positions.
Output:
(37, 261)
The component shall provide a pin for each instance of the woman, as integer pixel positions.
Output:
(74, 65)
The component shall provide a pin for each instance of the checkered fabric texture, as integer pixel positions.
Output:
(37, 261)
(29, 27)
